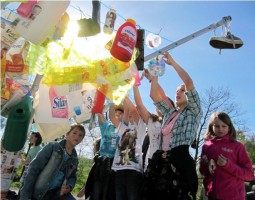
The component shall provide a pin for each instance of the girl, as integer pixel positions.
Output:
(35, 141)
(224, 161)
(52, 174)
(172, 170)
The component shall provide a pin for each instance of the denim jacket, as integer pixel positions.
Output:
(44, 168)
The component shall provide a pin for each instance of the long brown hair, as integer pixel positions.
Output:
(155, 118)
(225, 119)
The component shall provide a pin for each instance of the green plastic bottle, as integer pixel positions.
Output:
(17, 125)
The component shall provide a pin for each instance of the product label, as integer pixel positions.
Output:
(9, 21)
(109, 22)
(59, 106)
(127, 39)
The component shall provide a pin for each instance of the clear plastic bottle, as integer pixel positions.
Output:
(109, 21)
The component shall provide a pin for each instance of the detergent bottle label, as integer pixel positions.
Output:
(59, 106)
(127, 39)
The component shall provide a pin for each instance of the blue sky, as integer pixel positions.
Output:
(233, 69)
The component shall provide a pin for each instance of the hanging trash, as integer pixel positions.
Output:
(45, 15)
(98, 102)
(137, 79)
(227, 42)
(59, 105)
(139, 61)
(109, 21)
(156, 67)
(80, 104)
(125, 41)
(14, 100)
(89, 27)
(17, 125)
(9, 35)
(25, 9)
(15, 58)
(61, 27)
(153, 41)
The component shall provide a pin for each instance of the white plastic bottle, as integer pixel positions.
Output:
(45, 15)
(109, 21)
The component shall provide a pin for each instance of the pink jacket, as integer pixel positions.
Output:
(227, 182)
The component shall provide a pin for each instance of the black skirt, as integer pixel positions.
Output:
(171, 175)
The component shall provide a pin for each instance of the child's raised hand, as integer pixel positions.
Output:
(168, 58)
(147, 74)
(222, 160)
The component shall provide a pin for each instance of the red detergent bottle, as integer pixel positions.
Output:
(125, 41)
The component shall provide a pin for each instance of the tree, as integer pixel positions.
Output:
(213, 100)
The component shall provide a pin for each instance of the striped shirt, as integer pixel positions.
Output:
(186, 125)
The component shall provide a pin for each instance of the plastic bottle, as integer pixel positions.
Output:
(109, 21)
(25, 9)
(98, 102)
(137, 79)
(17, 125)
(125, 41)
(45, 15)
(14, 100)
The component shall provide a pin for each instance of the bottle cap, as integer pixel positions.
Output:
(131, 21)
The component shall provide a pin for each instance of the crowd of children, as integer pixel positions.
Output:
(122, 171)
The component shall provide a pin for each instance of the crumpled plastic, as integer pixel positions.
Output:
(62, 64)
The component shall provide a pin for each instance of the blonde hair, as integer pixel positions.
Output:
(225, 119)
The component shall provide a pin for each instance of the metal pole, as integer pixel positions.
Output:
(188, 38)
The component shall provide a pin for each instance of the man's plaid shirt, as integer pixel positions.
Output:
(187, 123)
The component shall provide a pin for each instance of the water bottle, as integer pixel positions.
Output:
(125, 41)
(109, 21)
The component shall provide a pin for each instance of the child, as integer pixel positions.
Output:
(224, 161)
(100, 182)
(127, 163)
(52, 174)
(172, 170)
(35, 141)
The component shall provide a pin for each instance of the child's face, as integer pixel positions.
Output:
(75, 136)
(180, 96)
(32, 139)
(220, 129)
(118, 115)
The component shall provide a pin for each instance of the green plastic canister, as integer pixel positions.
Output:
(17, 125)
